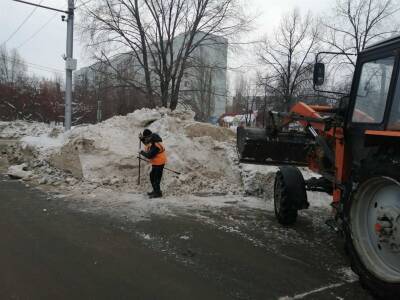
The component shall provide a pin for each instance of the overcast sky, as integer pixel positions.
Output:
(45, 48)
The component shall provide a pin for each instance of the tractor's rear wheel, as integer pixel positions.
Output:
(372, 230)
(289, 194)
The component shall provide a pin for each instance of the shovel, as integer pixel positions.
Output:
(175, 172)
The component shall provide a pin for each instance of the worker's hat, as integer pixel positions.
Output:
(147, 132)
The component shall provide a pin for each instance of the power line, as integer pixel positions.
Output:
(43, 6)
(32, 65)
(38, 31)
(83, 4)
(70, 64)
(22, 24)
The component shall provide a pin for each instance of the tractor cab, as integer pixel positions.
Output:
(376, 88)
(373, 108)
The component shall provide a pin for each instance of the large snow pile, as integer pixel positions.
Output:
(20, 128)
(105, 153)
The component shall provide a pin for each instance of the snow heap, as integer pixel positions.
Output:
(106, 153)
(19, 171)
(258, 180)
(20, 128)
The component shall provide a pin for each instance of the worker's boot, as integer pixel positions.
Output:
(156, 195)
(150, 193)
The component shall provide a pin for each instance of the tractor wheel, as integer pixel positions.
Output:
(289, 194)
(372, 229)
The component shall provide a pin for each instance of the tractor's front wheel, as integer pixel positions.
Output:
(289, 194)
(372, 228)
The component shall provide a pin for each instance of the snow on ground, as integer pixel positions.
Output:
(43, 142)
(20, 128)
(19, 171)
(129, 204)
(136, 207)
(258, 179)
(97, 165)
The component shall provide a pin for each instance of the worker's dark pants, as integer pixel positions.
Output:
(155, 177)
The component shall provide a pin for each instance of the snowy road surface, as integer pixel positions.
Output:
(52, 250)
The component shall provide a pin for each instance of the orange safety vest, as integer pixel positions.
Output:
(160, 158)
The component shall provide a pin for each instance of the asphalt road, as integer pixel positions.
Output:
(48, 251)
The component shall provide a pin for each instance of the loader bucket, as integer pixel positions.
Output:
(255, 146)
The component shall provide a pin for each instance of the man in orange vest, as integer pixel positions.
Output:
(155, 153)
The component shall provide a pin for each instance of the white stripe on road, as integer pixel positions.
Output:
(301, 296)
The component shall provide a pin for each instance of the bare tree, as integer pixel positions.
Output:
(243, 101)
(357, 23)
(160, 36)
(199, 89)
(242, 93)
(287, 56)
(199, 93)
(12, 66)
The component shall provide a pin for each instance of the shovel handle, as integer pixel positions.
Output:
(140, 146)
(168, 169)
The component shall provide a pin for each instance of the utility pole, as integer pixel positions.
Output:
(70, 65)
(70, 62)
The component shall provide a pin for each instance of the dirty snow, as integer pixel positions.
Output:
(135, 207)
(97, 164)
(258, 179)
(43, 142)
(19, 171)
(348, 274)
(105, 153)
(20, 128)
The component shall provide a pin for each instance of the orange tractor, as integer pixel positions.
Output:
(355, 147)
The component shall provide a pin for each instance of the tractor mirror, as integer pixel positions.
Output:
(319, 74)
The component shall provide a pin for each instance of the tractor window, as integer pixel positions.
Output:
(373, 90)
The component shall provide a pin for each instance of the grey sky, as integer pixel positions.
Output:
(47, 47)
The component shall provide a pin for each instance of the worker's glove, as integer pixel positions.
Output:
(141, 138)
